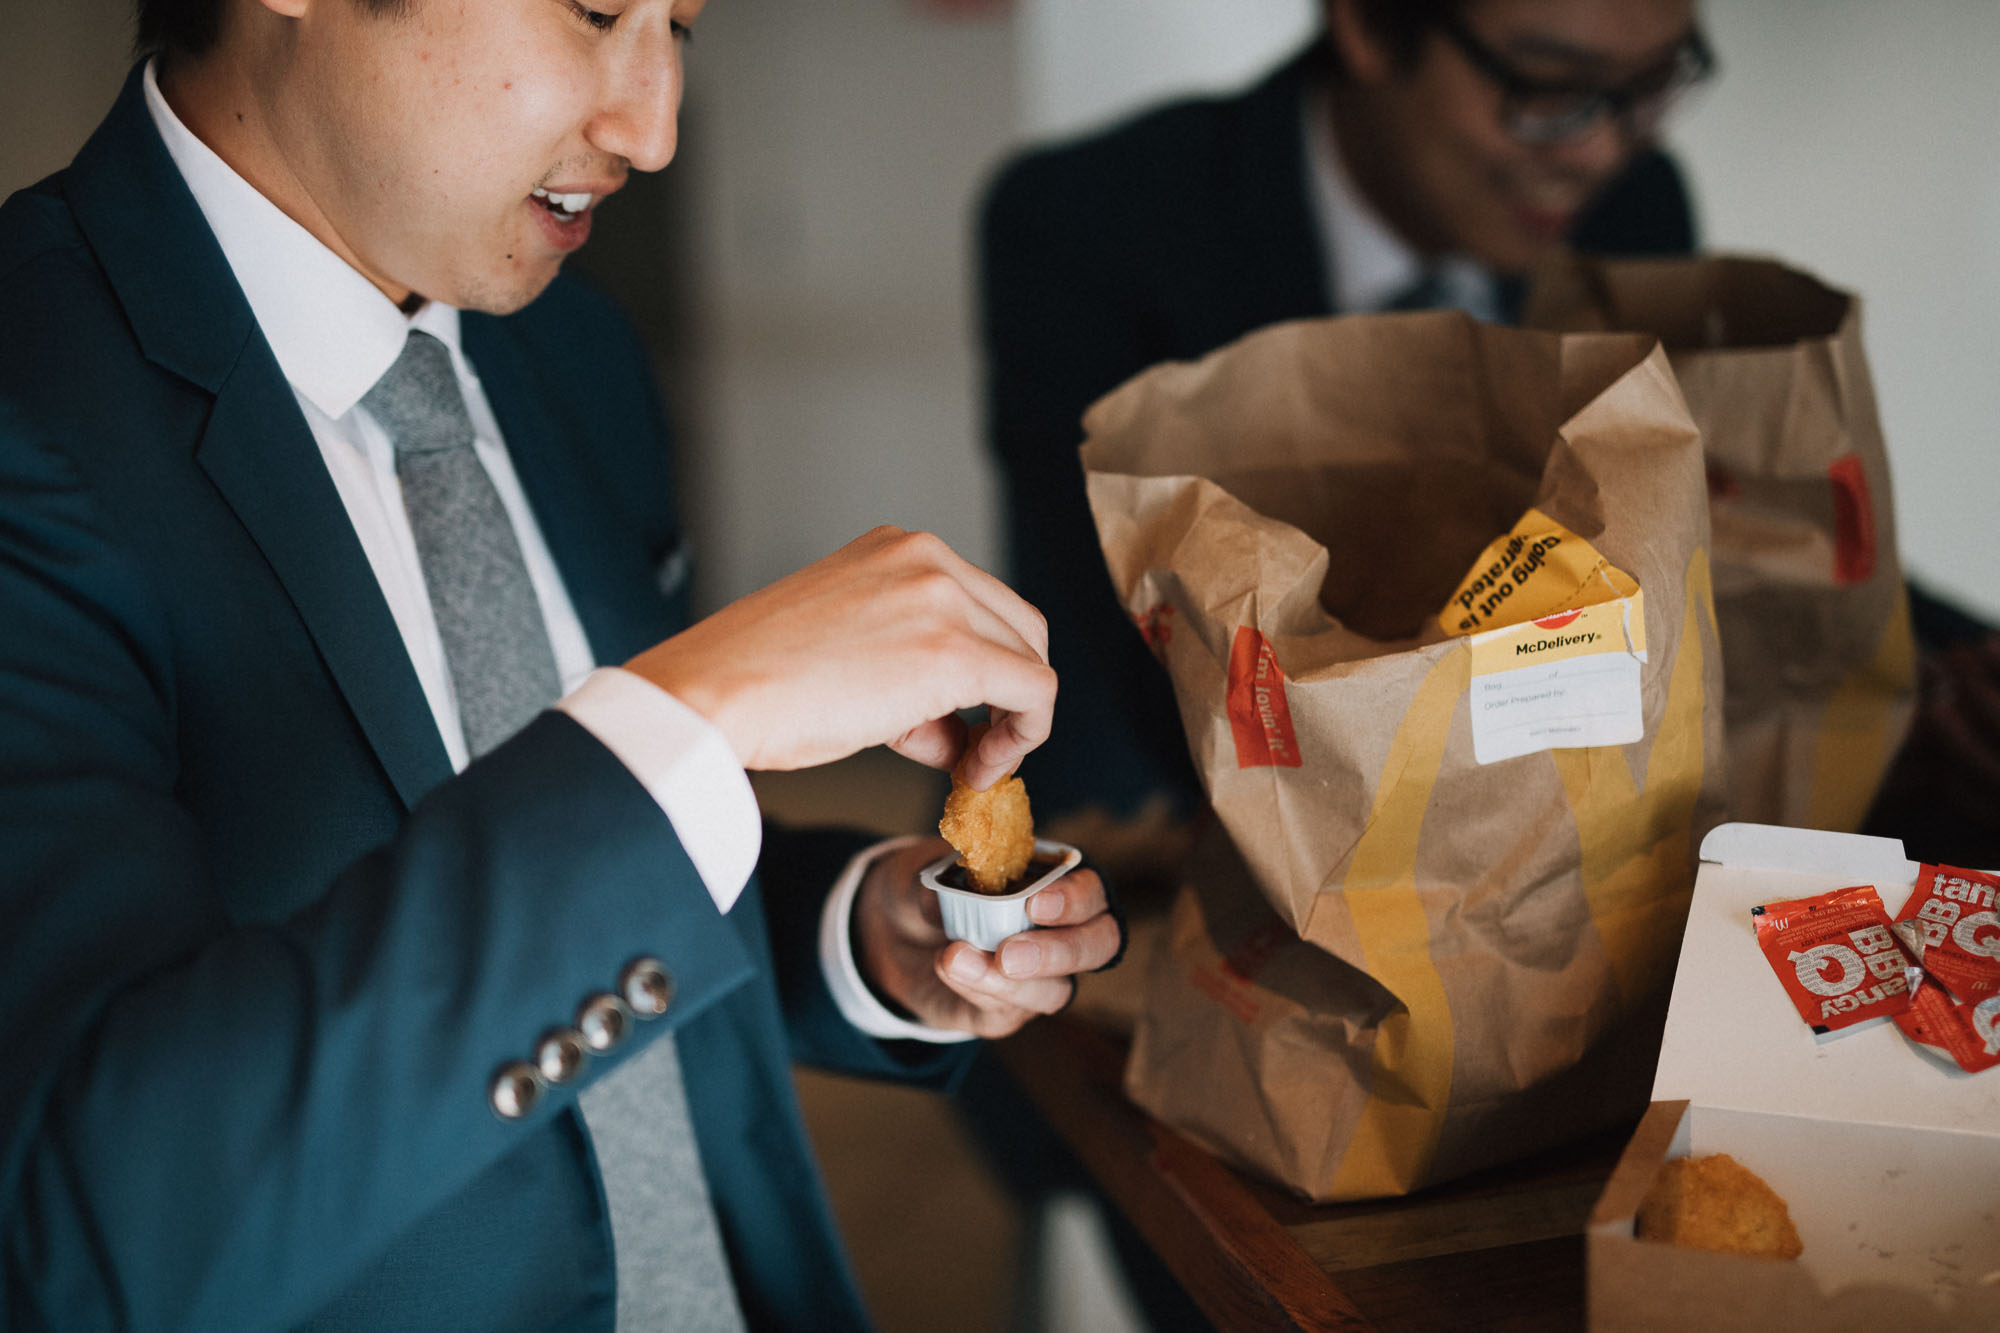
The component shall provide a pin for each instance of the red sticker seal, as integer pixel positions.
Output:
(1260, 720)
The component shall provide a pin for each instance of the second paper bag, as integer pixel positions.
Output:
(1819, 664)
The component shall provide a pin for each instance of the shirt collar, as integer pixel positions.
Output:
(1367, 263)
(332, 331)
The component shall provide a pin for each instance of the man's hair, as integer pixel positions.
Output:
(190, 27)
(1402, 25)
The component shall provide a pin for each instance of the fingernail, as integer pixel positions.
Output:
(967, 966)
(1020, 957)
(1046, 905)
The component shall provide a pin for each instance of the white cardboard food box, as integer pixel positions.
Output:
(1886, 1153)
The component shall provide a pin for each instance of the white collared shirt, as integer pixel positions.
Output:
(334, 333)
(1367, 264)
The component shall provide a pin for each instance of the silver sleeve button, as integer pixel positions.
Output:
(560, 1054)
(516, 1088)
(603, 1021)
(647, 988)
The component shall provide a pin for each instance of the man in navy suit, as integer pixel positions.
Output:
(1420, 153)
(307, 982)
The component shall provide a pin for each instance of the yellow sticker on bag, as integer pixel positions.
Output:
(1557, 637)
(1538, 569)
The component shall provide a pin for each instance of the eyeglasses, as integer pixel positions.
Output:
(1541, 112)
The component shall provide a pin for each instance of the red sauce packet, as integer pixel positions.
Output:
(1837, 957)
(1968, 1033)
(1950, 926)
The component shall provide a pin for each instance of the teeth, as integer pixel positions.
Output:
(568, 203)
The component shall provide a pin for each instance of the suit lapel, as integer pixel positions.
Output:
(190, 317)
(261, 456)
(1286, 277)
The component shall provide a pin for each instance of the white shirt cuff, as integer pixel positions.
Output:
(688, 768)
(843, 975)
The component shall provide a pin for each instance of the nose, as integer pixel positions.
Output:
(639, 112)
(1599, 151)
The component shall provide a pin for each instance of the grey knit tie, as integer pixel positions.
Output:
(496, 643)
(1453, 287)
(1426, 292)
(670, 1265)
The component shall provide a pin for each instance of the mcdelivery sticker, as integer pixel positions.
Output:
(1558, 638)
(1566, 681)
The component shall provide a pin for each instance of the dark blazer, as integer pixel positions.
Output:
(1161, 239)
(260, 951)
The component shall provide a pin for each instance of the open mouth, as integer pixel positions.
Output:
(564, 207)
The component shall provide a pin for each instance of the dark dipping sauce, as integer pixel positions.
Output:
(954, 876)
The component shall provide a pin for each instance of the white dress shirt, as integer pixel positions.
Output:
(1367, 264)
(334, 334)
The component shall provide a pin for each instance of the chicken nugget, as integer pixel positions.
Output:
(992, 830)
(1717, 1203)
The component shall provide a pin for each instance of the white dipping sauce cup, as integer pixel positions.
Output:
(983, 920)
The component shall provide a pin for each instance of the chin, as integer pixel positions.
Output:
(1511, 250)
(1504, 258)
(1516, 261)
(502, 295)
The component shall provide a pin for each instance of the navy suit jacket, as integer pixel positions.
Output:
(1160, 239)
(262, 951)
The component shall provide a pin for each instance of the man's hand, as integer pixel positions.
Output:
(900, 944)
(878, 644)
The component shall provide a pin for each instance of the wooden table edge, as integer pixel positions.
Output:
(1250, 1273)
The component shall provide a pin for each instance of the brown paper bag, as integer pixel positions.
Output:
(1819, 666)
(1395, 963)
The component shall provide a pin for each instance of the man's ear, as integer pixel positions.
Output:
(1361, 52)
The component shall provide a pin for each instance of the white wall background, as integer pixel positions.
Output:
(60, 66)
(832, 155)
(1862, 141)
(1084, 62)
